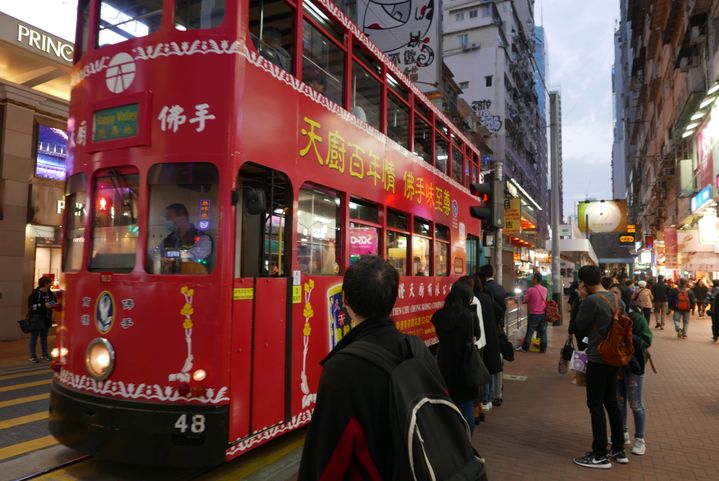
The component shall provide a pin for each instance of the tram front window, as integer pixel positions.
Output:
(182, 218)
(115, 226)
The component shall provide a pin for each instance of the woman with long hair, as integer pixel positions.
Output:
(455, 327)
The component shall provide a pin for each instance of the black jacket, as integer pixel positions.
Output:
(660, 292)
(491, 355)
(36, 304)
(454, 332)
(499, 295)
(349, 436)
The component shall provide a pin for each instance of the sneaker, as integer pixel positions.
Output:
(627, 441)
(619, 456)
(679, 334)
(520, 349)
(661, 328)
(33, 359)
(715, 339)
(640, 447)
(591, 460)
(46, 358)
(684, 336)
(486, 407)
(496, 402)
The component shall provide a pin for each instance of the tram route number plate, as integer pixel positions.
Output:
(243, 293)
(194, 423)
(296, 294)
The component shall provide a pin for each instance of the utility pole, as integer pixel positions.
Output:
(555, 169)
(498, 244)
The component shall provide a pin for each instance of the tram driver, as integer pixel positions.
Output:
(186, 250)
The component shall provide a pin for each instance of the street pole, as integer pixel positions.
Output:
(557, 288)
(498, 244)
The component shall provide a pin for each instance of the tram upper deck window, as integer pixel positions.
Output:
(272, 31)
(441, 153)
(182, 218)
(366, 93)
(322, 63)
(199, 14)
(317, 222)
(122, 20)
(75, 216)
(422, 139)
(457, 162)
(397, 121)
(115, 224)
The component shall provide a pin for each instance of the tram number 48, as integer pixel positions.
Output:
(196, 425)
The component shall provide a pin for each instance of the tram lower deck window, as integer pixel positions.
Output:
(317, 221)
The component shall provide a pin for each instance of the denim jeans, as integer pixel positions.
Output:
(601, 396)
(487, 394)
(660, 309)
(630, 389)
(536, 322)
(684, 317)
(467, 408)
(43, 342)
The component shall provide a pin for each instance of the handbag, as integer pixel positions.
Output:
(506, 347)
(475, 372)
(32, 323)
(568, 348)
(579, 361)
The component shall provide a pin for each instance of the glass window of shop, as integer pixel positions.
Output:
(75, 217)
(364, 233)
(318, 216)
(397, 241)
(441, 250)
(114, 222)
(421, 246)
(122, 20)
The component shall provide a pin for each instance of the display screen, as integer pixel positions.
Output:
(51, 153)
(115, 123)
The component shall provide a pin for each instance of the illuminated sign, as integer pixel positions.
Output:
(626, 239)
(45, 43)
(703, 198)
(631, 228)
(115, 123)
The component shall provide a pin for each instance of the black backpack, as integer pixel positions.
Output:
(430, 437)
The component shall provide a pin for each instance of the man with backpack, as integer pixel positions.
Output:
(595, 320)
(681, 300)
(382, 411)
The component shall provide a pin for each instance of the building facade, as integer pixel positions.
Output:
(671, 136)
(490, 48)
(34, 91)
(620, 91)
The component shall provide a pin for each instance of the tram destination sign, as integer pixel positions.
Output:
(115, 123)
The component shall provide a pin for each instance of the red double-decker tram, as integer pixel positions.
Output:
(229, 160)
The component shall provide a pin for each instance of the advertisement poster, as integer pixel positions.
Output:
(705, 152)
(602, 216)
(51, 153)
(671, 249)
(513, 217)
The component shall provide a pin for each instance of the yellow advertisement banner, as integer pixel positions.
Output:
(513, 216)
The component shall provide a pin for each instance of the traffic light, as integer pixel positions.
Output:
(491, 192)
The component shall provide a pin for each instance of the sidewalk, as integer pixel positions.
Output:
(15, 354)
(544, 422)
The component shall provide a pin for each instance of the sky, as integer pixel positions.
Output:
(580, 40)
(580, 44)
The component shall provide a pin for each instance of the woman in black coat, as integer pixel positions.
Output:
(40, 303)
(455, 327)
(492, 354)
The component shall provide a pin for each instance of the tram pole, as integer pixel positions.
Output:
(498, 244)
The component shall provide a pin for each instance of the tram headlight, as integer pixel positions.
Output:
(59, 352)
(99, 358)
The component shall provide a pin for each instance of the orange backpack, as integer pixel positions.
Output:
(617, 348)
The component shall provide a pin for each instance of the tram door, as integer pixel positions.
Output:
(261, 300)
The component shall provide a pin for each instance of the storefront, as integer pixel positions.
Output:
(34, 93)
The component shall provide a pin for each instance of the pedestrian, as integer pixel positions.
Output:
(41, 303)
(643, 299)
(660, 292)
(350, 437)
(492, 354)
(499, 298)
(593, 321)
(630, 387)
(680, 301)
(456, 327)
(714, 310)
(536, 300)
(700, 292)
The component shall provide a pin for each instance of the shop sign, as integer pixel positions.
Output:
(45, 43)
(671, 248)
(702, 199)
(513, 217)
(648, 241)
(626, 239)
(709, 230)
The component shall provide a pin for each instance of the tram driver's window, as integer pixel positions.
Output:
(182, 218)
(122, 20)
(397, 241)
(322, 63)
(272, 32)
(441, 250)
(195, 14)
(317, 237)
(115, 221)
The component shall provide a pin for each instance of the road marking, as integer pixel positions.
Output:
(30, 418)
(15, 387)
(514, 377)
(23, 400)
(26, 447)
(25, 374)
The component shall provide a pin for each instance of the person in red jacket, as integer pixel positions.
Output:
(349, 437)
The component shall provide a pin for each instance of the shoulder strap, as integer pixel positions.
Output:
(372, 353)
